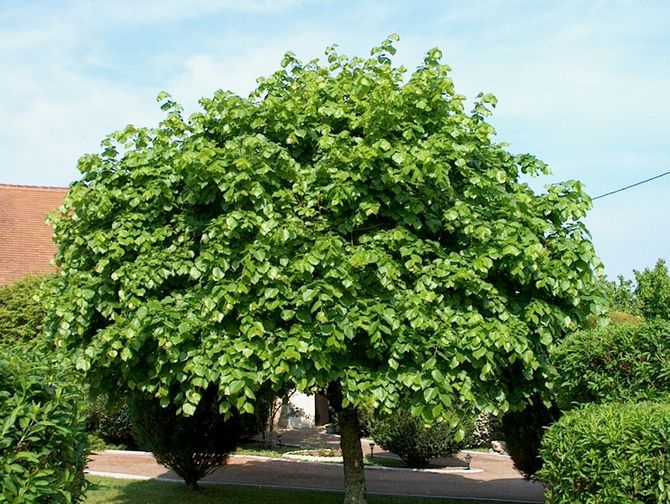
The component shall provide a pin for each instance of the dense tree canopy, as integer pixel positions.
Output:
(344, 223)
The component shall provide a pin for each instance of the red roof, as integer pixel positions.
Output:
(25, 239)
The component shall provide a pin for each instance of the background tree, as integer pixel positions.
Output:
(652, 292)
(648, 296)
(345, 226)
(415, 443)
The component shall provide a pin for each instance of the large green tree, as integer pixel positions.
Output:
(345, 226)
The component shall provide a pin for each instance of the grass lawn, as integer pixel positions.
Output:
(260, 451)
(116, 491)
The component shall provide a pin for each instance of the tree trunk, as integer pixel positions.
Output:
(192, 484)
(350, 441)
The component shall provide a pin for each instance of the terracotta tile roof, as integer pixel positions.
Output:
(25, 239)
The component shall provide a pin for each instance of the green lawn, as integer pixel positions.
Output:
(114, 491)
(260, 451)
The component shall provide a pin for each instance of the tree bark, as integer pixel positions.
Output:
(350, 441)
(192, 484)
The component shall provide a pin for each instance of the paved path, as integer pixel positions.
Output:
(497, 480)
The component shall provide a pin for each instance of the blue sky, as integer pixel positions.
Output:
(584, 85)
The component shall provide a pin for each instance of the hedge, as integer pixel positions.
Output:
(43, 445)
(619, 362)
(607, 453)
(21, 312)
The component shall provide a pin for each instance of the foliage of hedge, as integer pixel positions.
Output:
(408, 437)
(619, 362)
(21, 313)
(609, 453)
(43, 445)
(192, 446)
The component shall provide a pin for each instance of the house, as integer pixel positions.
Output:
(26, 247)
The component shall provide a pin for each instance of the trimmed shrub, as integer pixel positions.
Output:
(523, 432)
(620, 317)
(21, 313)
(192, 446)
(619, 362)
(43, 446)
(608, 453)
(408, 437)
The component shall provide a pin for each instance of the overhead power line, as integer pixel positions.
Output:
(632, 185)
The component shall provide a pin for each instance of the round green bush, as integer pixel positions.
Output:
(408, 437)
(43, 445)
(608, 453)
(619, 362)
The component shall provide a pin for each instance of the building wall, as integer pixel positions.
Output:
(26, 247)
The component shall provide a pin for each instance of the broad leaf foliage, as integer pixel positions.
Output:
(345, 222)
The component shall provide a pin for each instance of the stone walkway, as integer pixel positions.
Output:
(497, 479)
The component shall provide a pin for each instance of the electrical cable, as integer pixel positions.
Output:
(631, 186)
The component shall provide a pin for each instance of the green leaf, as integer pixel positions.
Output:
(235, 387)
(398, 157)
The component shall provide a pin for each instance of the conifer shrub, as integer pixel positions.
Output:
(523, 431)
(192, 446)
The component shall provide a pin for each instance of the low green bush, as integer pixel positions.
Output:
(408, 437)
(192, 446)
(43, 444)
(608, 453)
(619, 362)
